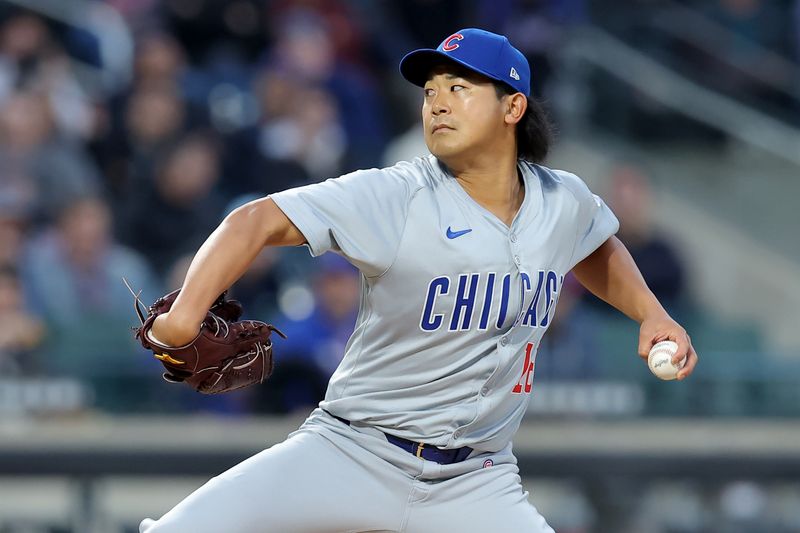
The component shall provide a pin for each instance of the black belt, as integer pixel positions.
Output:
(431, 453)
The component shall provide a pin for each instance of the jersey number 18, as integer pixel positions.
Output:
(526, 379)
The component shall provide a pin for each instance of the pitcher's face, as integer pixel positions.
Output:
(461, 112)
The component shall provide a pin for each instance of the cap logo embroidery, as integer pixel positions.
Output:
(449, 45)
(514, 74)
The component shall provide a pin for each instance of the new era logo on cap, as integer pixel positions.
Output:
(478, 50)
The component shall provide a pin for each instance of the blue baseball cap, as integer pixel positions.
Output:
(478, 50)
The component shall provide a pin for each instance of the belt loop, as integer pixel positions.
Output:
(419, 449)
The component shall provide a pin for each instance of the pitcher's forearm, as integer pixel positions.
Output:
(611, 274)
(220, 261)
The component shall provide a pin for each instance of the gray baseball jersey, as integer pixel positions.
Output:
(454, 302)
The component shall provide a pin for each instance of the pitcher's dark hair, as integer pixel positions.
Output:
(534, 131)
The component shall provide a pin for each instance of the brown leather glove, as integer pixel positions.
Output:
(226, 355)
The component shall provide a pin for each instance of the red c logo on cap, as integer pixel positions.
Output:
(448, 45)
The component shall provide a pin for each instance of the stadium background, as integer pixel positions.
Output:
(128, 128)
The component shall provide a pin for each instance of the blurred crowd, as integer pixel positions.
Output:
(129, 129)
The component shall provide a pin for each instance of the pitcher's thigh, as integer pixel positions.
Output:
(305, 484)
(478, 502)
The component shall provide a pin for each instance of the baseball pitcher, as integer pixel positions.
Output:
(462, 256)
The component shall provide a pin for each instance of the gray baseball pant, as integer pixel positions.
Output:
(331, 477)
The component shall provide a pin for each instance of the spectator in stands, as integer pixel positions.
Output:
(25, 40)
(159, 60)
(74, 271)
(150, 115)
(155, 116)
(251, 163)
(33, 60)
(342, 16)
(308, 132)
(631, 199)
(37, 163)
(172, 213)
(304, 49)
(314, 344)
(21, 332)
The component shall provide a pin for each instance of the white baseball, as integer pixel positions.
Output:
(660, 360)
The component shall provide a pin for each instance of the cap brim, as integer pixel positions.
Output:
(416, 66)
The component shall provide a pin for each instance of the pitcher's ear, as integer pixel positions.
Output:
(516, 105)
